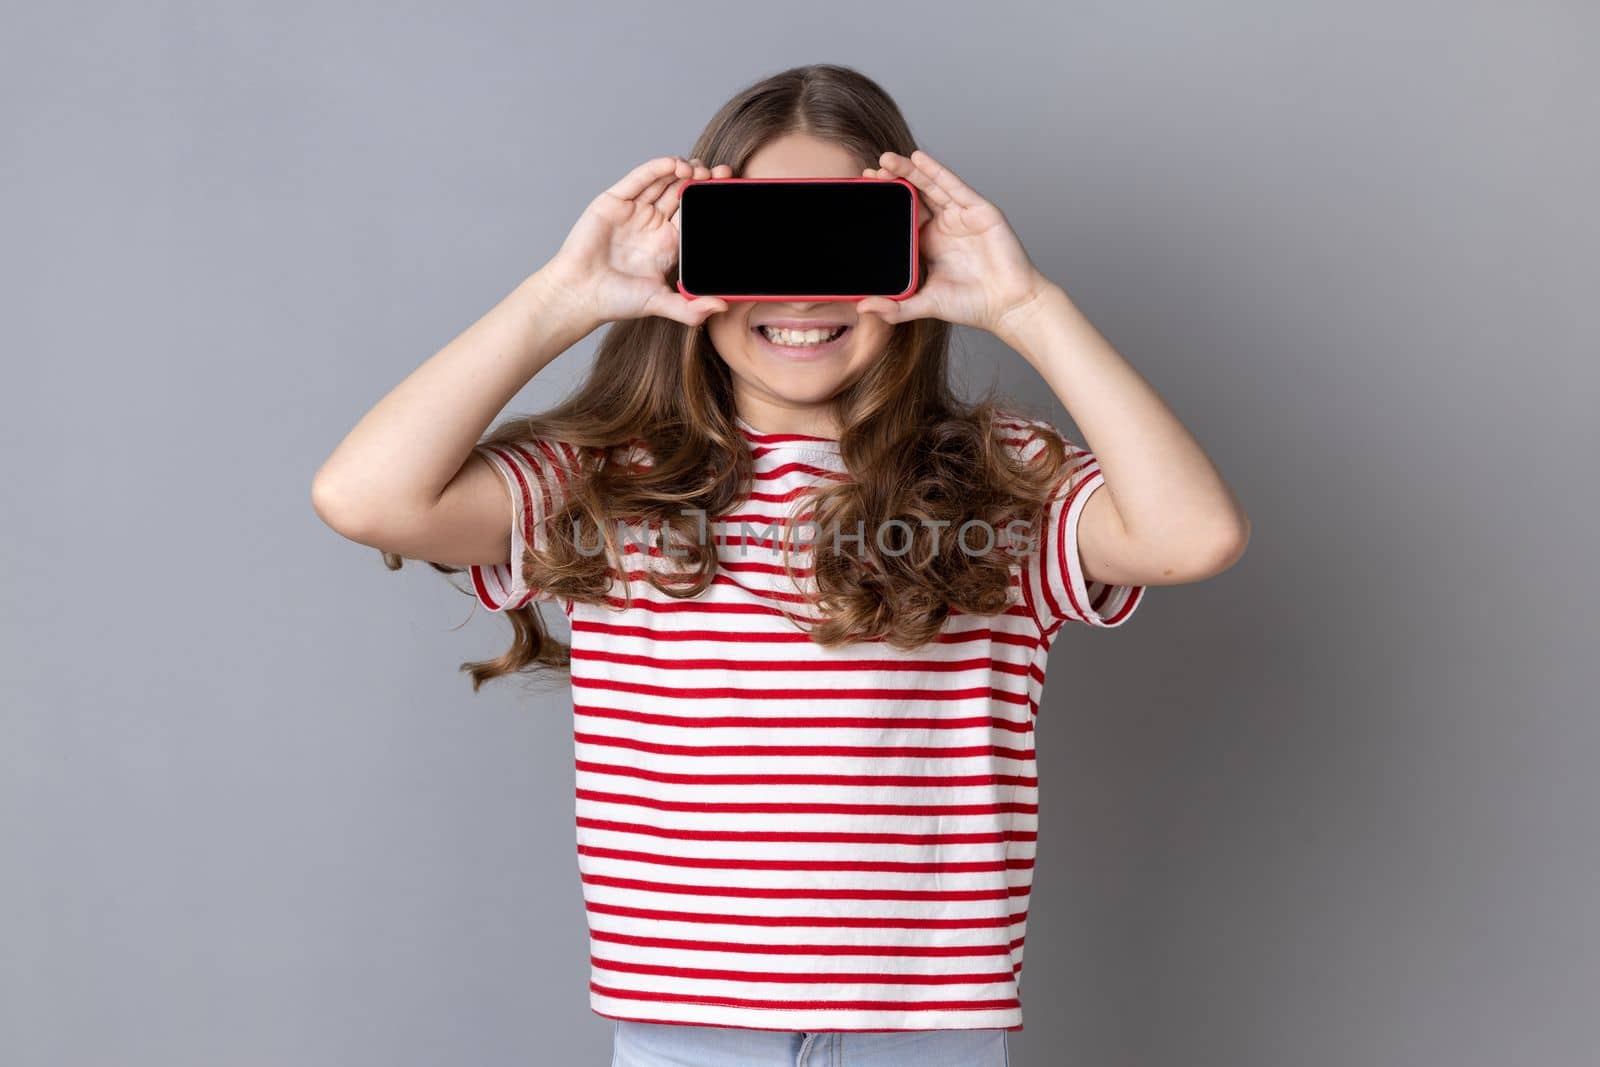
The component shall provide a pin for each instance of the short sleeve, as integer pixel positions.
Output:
(1053, 582)
(536, 472)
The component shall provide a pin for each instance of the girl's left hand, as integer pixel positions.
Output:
(978, 272)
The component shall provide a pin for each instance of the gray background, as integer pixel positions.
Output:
(1333, 807)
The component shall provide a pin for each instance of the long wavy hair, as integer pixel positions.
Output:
(912, 449)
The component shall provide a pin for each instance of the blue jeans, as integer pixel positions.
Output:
(637, 1044)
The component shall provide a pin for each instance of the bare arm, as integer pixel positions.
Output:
(1167, 516)
(405, 479)
(1164, 516)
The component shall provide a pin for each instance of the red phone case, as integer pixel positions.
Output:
(812, 297)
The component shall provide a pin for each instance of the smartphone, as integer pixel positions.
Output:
(797, 238)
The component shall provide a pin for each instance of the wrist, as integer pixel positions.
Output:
(1018, 326)
(554, 300)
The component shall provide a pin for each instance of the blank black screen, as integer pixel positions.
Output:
(754, 238)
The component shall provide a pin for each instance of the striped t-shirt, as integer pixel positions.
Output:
(776, 835)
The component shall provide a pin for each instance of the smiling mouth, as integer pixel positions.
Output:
(808, 338)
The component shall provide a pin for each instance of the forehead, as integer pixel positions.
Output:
(800, 155)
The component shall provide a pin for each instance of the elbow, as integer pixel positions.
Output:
(1224, 547)
(1205, 554)
(338, 510)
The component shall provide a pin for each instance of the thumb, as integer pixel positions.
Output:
(887, 310)
(670, 304)
(706, 306)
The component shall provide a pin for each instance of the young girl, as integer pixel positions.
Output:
(806, 657)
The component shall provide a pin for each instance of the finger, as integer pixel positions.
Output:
(706, 306)
(924, 205)
(946, 179)
(671, 304)
(925, 213)
(887, 310)
(653, 191)
(668, 204)
(632, 183)
(916, 306)
(698, 171)
(900, 166)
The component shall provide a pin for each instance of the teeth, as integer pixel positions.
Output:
(800, 337)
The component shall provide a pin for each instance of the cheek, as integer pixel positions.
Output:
(872, 340)
(728, 338)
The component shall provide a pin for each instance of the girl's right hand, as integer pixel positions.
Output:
(612, 264)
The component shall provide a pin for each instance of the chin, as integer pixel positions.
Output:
(801, 392)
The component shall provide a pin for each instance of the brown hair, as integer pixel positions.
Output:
(913, 450)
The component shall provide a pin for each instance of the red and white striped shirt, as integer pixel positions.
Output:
(776, 835)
